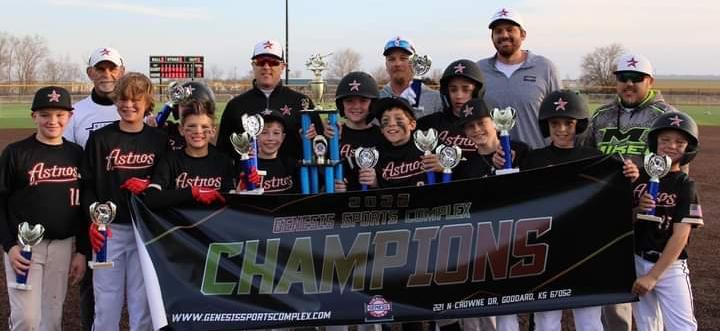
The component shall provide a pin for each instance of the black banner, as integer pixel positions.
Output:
(551, 238)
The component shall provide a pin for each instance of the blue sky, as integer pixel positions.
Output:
(676, 36)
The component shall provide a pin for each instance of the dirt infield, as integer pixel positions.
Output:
(704, 242)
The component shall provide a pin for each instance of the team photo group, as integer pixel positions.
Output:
(507, 113)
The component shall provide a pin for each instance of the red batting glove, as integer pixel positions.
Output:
(135, 185)
(96, 238)
(253, 177)
(206, 195)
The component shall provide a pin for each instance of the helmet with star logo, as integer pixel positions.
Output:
(676, 121)
(196, 95)
(465, 69)
(474, 109)
(635, 63)
(563, 103)
(356, 83)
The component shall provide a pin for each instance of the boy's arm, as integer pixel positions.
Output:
(673, 248)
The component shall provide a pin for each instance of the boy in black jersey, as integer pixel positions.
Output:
(281, 171)
(122, 155)
(480, 128)
(40, 185)
(661, 257)
(401, 163)
(198, 172)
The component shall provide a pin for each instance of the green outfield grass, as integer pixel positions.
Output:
(15, 116)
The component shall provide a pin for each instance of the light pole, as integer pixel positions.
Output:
(287, 49)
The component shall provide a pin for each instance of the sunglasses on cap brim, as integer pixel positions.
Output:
(625, 76)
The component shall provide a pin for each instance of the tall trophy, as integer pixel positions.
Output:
(252, 124)
(242, 145)
(306, 148)
(27, 237)
(656, 166)
(317, 64)
(366, 158)
(450, 157)
(426, 141)
(504, 122)
(102, 214)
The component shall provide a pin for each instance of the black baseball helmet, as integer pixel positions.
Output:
(563, 103)
(474, 109)
(190, 93)
(356, 83)
(676, 121)
(466, 69)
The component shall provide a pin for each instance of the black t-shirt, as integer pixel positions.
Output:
(352, 139)
(400, 166)
(551, 154)
(481, 165)
(677, 201)
(40, 184)
(449, 132)
(281, 175)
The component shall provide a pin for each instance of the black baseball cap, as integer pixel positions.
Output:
(385, 104)
(54, 97)
(270, 115)
(474, 109)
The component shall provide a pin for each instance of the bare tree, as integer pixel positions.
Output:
(435, 76)
(29, 53)
(598, 66)
(61, 70)
(380, 74)
(215, 73)
(342, 63)
(6, 42)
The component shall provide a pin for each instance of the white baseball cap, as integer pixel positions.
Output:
(506, 14)
(106, 54)
(635, 62)
(268, 47)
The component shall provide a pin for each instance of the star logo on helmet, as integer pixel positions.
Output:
(560, 104)
(632, 62)
(268, 44)
(105, 51)
(676, 120)
(503, 12)
(266, 112)
(468, 111)
(459, 68)
(354, 86)
(286, 110)
(54, 97)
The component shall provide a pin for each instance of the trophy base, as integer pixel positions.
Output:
(22, 287)
(100, 265)
(257, 191)
(507, 171)
(649, 218)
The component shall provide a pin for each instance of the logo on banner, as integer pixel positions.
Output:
(378, 309)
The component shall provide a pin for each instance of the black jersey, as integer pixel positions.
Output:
(449, 132)
(481, 165)
(352, 139)
(281, 175)
(112, 156)
(677, 201)
(553, 155)
(254, 101)
(175, 140)
(40, 184)
(400, 166)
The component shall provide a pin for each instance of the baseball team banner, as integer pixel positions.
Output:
(545, 239)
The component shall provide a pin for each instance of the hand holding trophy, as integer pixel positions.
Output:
(656, 167)
(504, 122)
(426, 141)
(27, 237)
(101, 215)
(450, 157)
(366, 158)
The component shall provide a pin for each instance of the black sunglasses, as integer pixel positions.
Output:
(634, 77)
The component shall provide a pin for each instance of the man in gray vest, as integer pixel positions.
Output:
(517, 78)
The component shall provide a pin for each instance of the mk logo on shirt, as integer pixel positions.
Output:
(402, 170)
(277, 184)
(130, 160)
(42, 174)
(184, 181)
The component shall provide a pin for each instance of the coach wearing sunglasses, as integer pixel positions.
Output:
(268, 63)
(622, 125)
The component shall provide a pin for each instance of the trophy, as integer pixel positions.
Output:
(450, 157)
(504, 122)
(27, 237)
(656, 167)
(426, 141)
(366, 158)
(421, 65)
(320, 149)
(306, 149)
(102, 214)
(252, 124)
(317, 65)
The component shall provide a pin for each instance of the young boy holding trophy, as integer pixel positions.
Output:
(40, 185)
(670, 209)
(281, 172)
(120, 156)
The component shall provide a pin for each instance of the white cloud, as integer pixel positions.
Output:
(184, 13)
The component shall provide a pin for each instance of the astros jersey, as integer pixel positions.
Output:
(112, 156)
(449, 132)
(40, 185)
(352, 139)
(400, 166)
(281, 177)
(179, 171)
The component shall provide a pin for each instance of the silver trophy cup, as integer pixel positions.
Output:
(449, 157)
(102, 214)
(241, 144)
(27, 237)
(426, 141)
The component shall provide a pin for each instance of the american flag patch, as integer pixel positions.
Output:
(695, 210)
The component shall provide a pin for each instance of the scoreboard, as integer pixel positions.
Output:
(177, 67)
